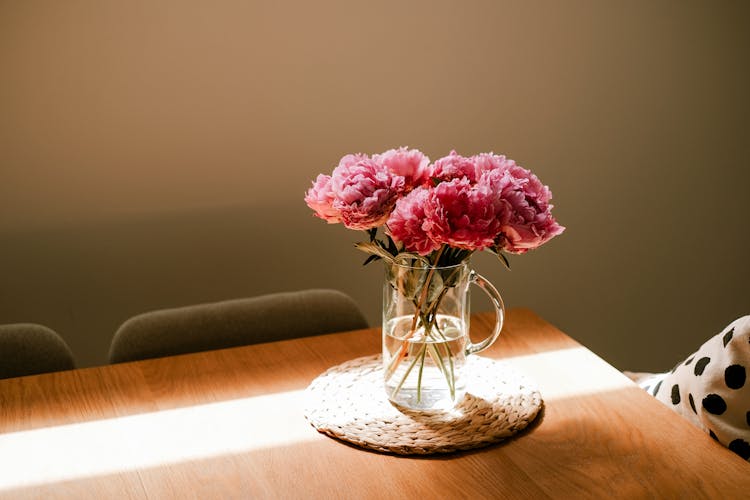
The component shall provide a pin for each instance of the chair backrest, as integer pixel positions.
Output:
(233, 323)
(28, 349)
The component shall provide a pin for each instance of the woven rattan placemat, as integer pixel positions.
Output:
(348, 402)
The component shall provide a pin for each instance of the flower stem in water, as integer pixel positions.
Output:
(408, 370)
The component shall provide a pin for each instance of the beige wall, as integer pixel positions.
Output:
(155, 153)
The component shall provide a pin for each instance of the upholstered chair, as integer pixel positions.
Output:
(29, 349)
(233, 323)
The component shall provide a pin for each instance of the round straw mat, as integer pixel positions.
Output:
(348, 402)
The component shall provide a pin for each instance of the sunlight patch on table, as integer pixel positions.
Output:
(102, 447)
(566, 373)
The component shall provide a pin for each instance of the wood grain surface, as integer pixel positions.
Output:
(229, 424)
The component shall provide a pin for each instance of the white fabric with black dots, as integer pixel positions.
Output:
(710, 387)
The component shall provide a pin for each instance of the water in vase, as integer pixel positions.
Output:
(423, 369)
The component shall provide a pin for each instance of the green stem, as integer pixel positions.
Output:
(450, 378)
(425, 290)
(408, 371)
(421, 368)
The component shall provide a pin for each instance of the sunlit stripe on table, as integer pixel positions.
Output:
(101, 447)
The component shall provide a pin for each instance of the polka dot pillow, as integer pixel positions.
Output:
(710, 388)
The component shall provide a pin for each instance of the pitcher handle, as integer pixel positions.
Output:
(497, 301)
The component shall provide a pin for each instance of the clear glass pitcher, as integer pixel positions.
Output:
(426, 332)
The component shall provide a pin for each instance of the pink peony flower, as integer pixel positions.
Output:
(453, 166)
(365, 192)
(526, 218)
(320, 198)
(352, 159)
(461, 214)
(485, 162)
(410, 164)
(406, 223)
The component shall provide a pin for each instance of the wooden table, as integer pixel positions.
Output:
(229, 424)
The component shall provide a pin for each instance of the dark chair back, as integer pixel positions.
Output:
(28, 349)
(233, 323)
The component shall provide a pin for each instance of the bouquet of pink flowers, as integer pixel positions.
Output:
(434, 215)
(443, 211)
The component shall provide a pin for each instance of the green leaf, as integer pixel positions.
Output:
(411, 259)
(503, 259)
(406, 272)
(451, 276)
(392, 246)
(435, 287)
(373, 248)
(371, 258)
